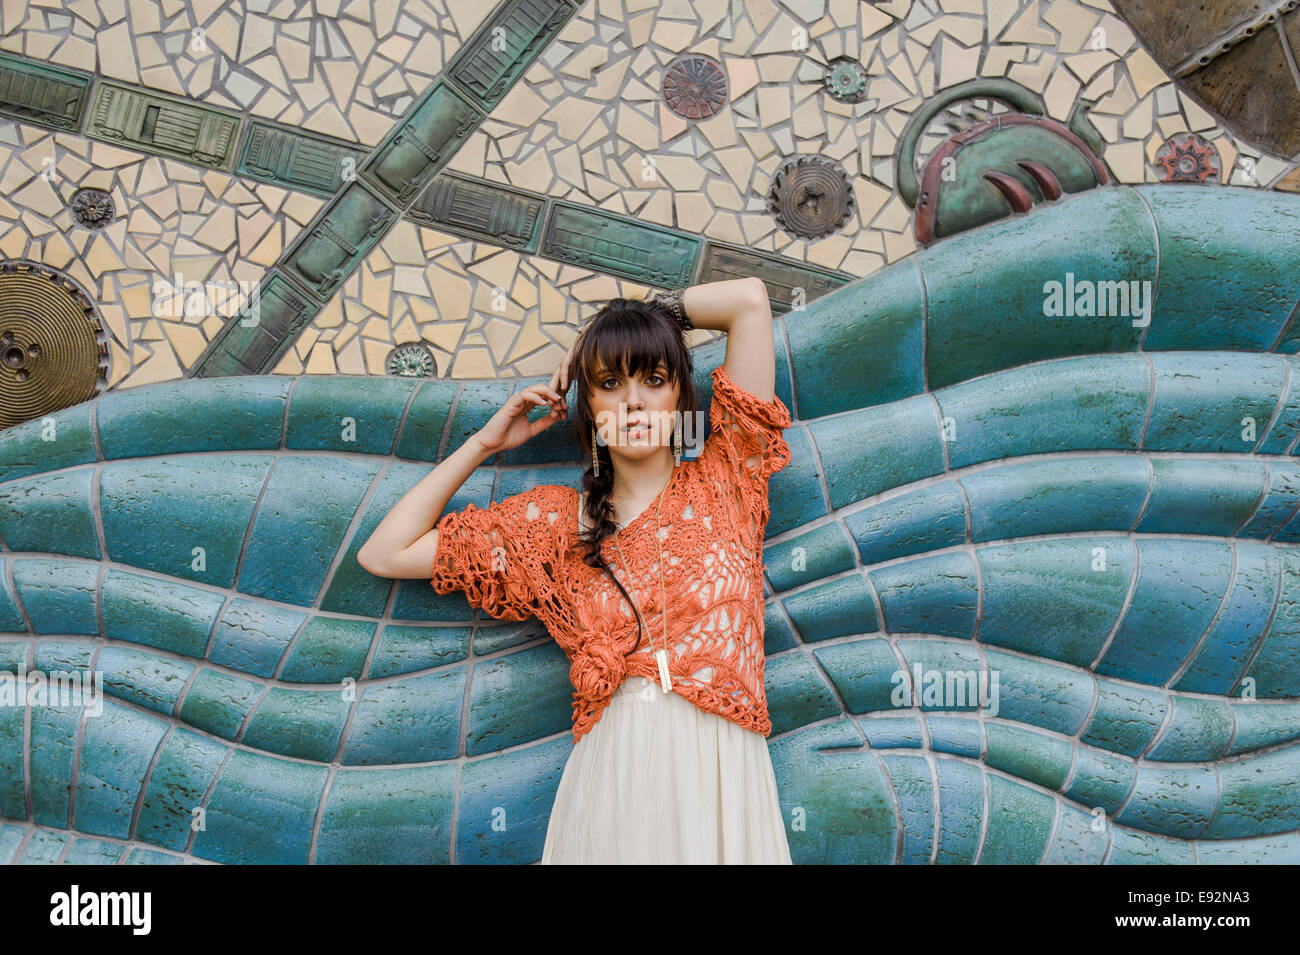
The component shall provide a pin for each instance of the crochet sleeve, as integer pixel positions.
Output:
(740, 427)
(501, 556)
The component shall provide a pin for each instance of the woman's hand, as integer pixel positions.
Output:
(560, 379)
(510, 427)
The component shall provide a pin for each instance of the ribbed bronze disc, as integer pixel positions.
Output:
(810, 197)
(51, 356)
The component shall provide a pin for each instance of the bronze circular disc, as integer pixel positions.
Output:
(51, 352)
(694, 86)
(811, 197)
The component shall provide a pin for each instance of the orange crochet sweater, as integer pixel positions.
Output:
(521, 557)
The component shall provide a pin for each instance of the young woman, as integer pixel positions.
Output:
(650, 579)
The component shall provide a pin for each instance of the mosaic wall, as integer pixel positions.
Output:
(418, 203)
(586, 122)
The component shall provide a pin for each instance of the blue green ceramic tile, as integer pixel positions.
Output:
(180, 779)
(879, 321)
(797, 692)
(52, 749)
(302, 519)
(152, 857)
(1219, 663)
(505, 803)
(1130, 847)
(1077, 840)
(223, 414)
(354, 414)
(990, 419)
(491, 635)
(305, 724)
(1244, 292)
(63, 439)
(837, 608)
(1212, 401)
(956, 735)
(861, 672)
(820, 769)
(45, 847)
(1100, 780)
(1280, 434)
(353, 589)
(777, 634)
(64, 655)
(1028, 754)
(406, 822)
(1027, 498)
(117, 748)
(261, 811)
(13, 771)
(1039, 693)
(929, 518)
(51, 514)
(58, 595)
(1255, 795)
(144, 678)
(870, 451)
(1180, 586)
(412, 719)
(1126, 718)
(1057, 599)
(892, 732)
(518, 698)
(10, 838)
(329, 650)
(1201, 497)
(1259, 726)
(218, 703)
(912, 781)
(961, 807)
(1174, 800)
(1277, 504)
(936, 594)
(987, 300)
(94, 852)
(253, 637)
(1275, 669)
(1019, 824)
(150, 520)
(822, 552)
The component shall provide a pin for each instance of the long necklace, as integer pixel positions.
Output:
(660, 654)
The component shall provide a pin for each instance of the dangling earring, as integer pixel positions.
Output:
(595, 461)
(677, 440)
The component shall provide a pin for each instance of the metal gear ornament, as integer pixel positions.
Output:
(412, 360)
(92, 208)
(1187, 157)
(52, 349)
(811, 197)
(695, 86)
(846, 80)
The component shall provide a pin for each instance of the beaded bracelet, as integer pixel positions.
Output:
(672, 300)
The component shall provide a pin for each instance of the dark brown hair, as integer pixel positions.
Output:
(627, 336)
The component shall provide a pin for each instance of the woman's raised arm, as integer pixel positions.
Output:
(740, 308)
(405, 542)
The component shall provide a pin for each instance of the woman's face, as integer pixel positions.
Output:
(634, 414)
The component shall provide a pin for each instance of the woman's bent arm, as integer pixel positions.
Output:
(403, 545)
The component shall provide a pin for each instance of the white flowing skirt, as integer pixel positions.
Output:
(657, 780)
